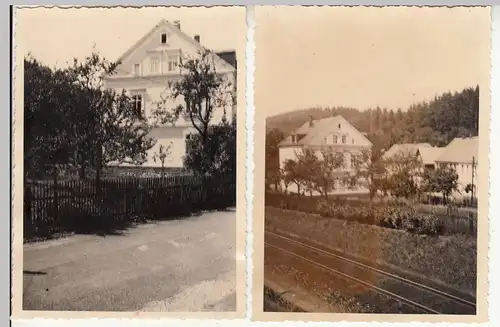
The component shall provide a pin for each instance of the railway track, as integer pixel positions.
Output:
(421, 295)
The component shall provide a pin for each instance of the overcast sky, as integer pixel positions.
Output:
(364, 57)
(55, 36)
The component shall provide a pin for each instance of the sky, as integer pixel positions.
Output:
(366, 56)
(55, 36)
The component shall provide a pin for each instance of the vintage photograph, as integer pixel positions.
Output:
(371, 162)
(129, 174)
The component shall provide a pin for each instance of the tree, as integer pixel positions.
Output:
(328, 171)
(201, 89)
(215, 156)
(405, 172)
(443, 180)
(108, 127)
(161, 156)
(294, 173)
(273, 138)
(369, 171)
(309, 166)
(47, 118)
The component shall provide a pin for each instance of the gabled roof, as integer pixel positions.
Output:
(430, 155)
(316, 130)
(405, 149)
(179, 32)
(460, 150)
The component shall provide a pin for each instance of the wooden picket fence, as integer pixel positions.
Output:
(83, 206)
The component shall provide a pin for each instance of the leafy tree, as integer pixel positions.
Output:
(47, 118)
(328, 171)
(404, 172)
(309, 166)
(215, 156)
(107, 127)
(202, 90)
(273, 138)
(370, 171)
(273, 177)
(443, 180)
(161, 155)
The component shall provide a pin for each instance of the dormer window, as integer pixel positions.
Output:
(163, 38)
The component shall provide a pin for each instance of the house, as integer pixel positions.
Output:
(145, 71)
(462, 155)
(418, 156)
(424, 154)
(331, 133)
(428, 156)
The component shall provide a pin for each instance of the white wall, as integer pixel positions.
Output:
(464, 172)
(288, 153)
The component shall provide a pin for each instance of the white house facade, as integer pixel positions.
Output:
(145, 71)
(462, 155)
(331, 134)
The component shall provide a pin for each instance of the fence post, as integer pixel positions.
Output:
(56, 201)
(471, 224)
(28, 219)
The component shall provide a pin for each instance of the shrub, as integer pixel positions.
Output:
(394, 216)
(413, 222)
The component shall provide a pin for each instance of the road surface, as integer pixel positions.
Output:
(181, 265)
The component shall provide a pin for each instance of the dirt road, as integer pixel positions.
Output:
(181, 265)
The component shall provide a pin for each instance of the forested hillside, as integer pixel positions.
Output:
(447, 116)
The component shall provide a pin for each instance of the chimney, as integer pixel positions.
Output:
(177, 23)
(197, 38)
(311, 121)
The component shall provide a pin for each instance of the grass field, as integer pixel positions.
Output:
(449, 259)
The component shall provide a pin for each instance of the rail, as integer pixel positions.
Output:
(453, 304)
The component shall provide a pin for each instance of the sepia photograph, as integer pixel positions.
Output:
(129, 162)
(371, 164)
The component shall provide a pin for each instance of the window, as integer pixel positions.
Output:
(155, 65)
(354, 161)
(344, 139)
(137, 103)
(137, 69)
(190, 146)
(339, 126)
(164, 38)
(190, 108)
(172, 63)
(334, 139)
(352, 141)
